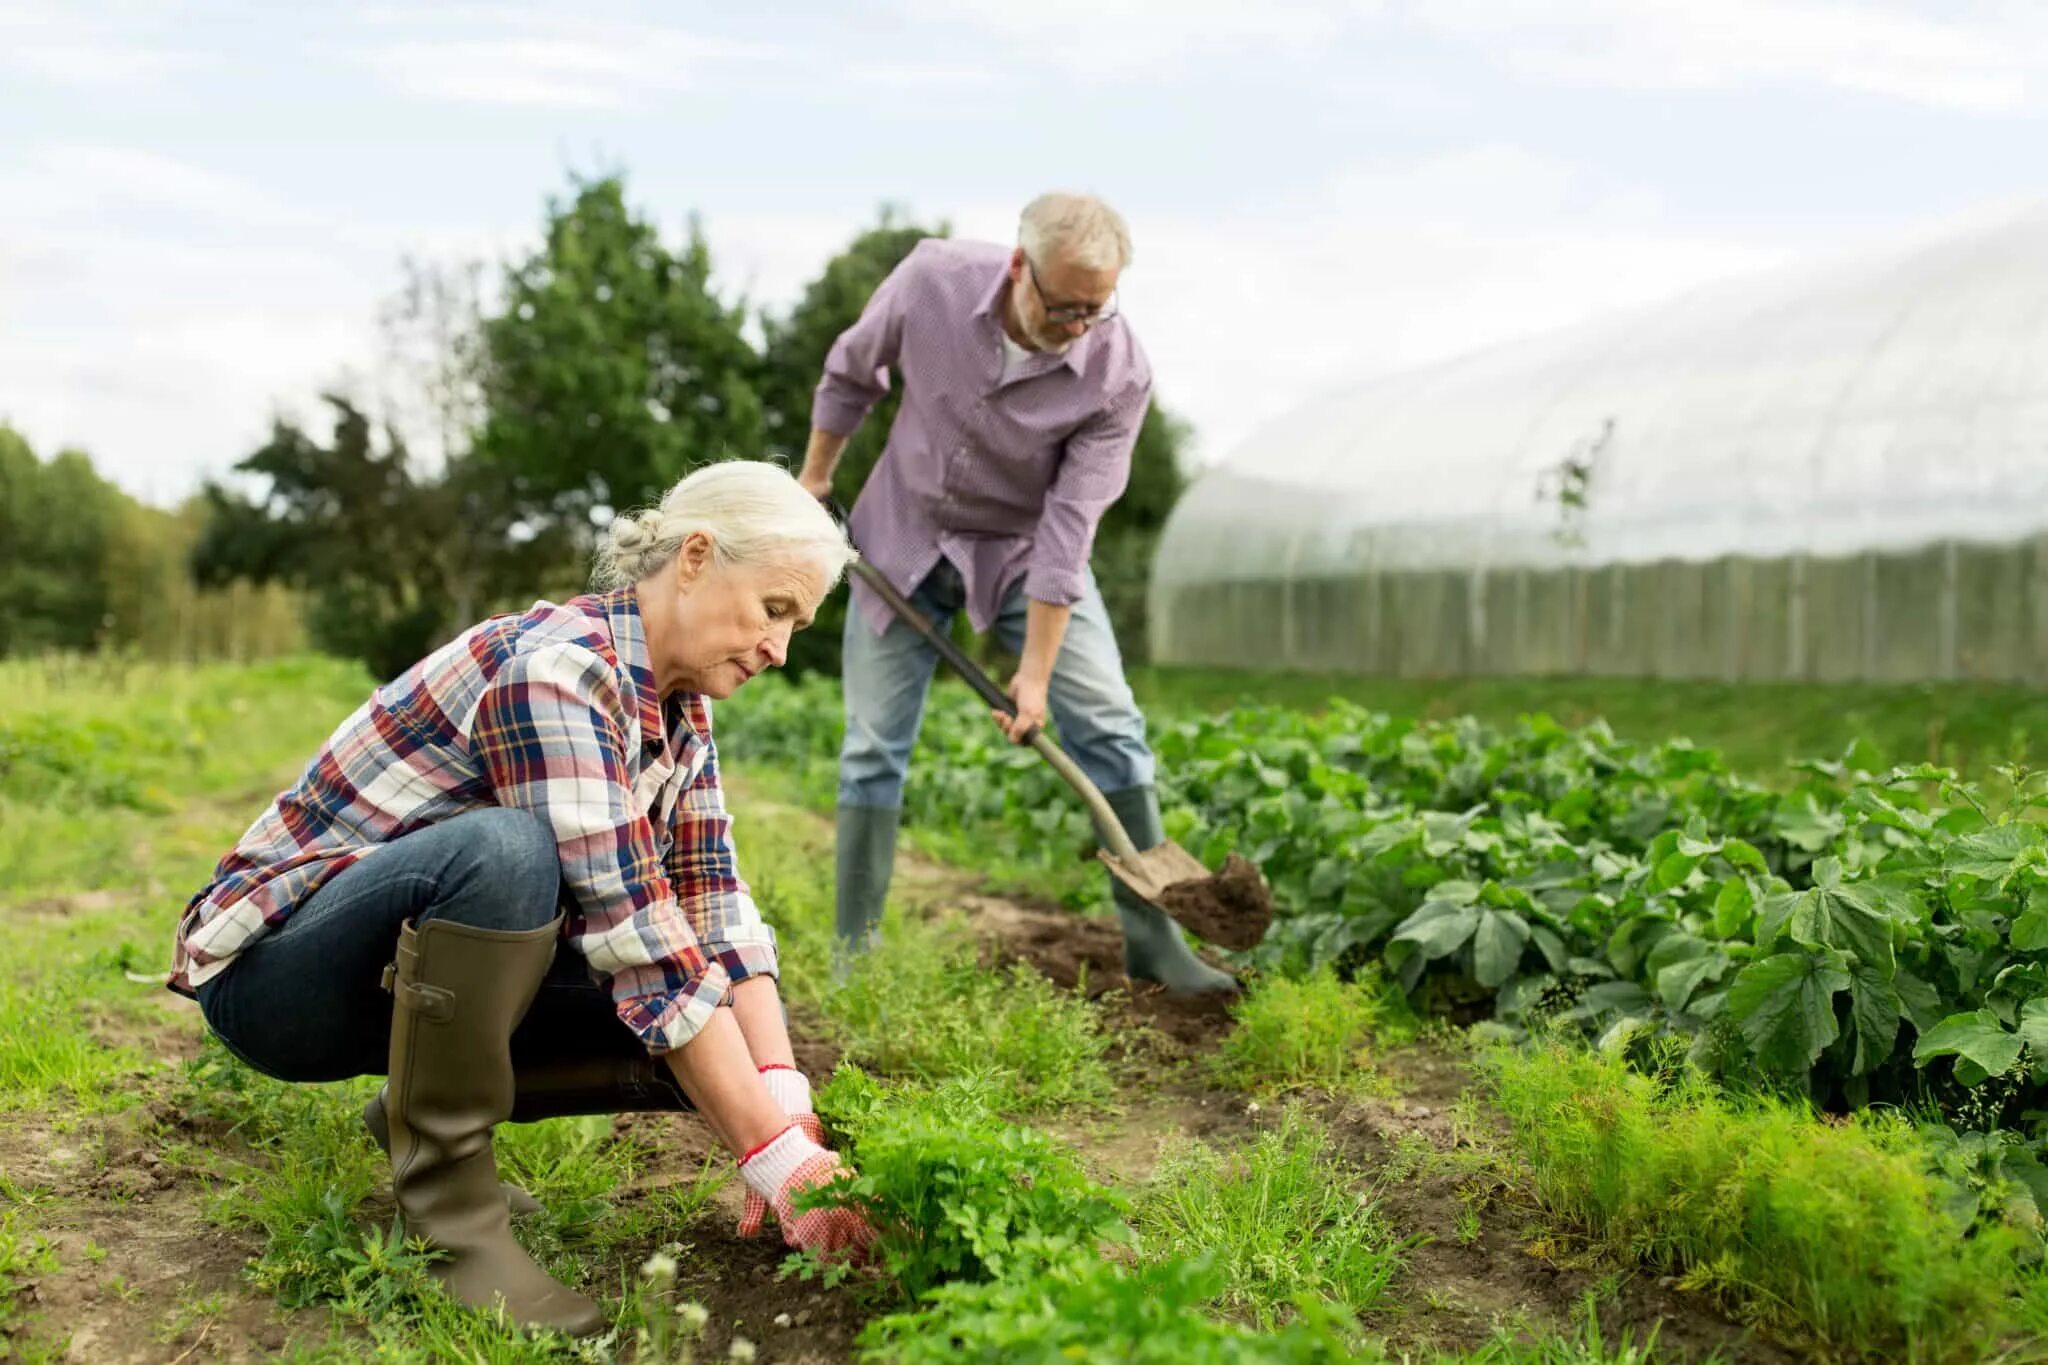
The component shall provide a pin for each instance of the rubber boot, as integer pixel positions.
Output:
(1154, 947)
(457, 994)
(377, 1120)
(864, 856)
(629, 1082)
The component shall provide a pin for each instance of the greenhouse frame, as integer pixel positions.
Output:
(1823, 473)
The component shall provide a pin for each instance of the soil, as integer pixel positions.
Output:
(1232, 909)
(1452, 1294)
(167, 1284)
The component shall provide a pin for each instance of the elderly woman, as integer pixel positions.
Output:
(507, 885)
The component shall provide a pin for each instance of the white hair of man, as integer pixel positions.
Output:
(1077, 228)
(754, 512)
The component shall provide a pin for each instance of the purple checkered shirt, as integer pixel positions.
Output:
(1006, 480)
(553, 711)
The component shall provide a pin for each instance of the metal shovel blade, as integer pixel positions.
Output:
(1232, 909)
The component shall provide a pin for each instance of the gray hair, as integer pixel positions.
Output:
(1074, 227)
(753, 512)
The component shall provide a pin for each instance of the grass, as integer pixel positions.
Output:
(24, 1254)
(1836, 1232)
(1280, 1218)
(119, 787)
(1317, 1031)
(1587, 1345)
(1757, 726)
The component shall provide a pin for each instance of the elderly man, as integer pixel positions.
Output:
(1023, 395)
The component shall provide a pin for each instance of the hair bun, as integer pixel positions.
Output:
(630, 534)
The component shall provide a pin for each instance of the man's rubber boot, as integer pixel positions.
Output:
(627, 1081)
(1154, 947)
(457, 994)
(864, 857)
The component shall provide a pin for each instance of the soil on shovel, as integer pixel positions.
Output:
(1232, 909)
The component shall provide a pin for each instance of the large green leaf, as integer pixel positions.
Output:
(1677, 982)
(1833, 915)
(1784, 1006)
(2030, 930)
(1975, 1035)
(1921, 1002)
(1874, 1012)
(2033, 1028)
(1991, 853)
(1497, 946)
(1438, 929)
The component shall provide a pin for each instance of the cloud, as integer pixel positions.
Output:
(1386, 267)
(560, 61)
(156, 312)
(1109, 40)
(61, 44)
(1987, 57)
(1980, 59)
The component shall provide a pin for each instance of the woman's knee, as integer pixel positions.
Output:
(509, 871)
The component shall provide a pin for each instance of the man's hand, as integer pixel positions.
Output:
(1027, 690)
(821, 457)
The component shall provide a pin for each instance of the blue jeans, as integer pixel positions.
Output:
(306, 1001)
(885, 678)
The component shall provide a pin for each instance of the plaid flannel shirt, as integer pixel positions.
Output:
(553, 711)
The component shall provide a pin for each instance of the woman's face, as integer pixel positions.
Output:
(734, 620)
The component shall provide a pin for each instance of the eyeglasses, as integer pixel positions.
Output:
(1064, 313)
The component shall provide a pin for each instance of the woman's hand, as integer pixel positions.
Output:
(792, 1165)
(791, 1091)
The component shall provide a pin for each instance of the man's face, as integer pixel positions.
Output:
(1057, 300)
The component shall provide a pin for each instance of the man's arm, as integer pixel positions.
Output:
(821, 457)
(1045, 627)
(856, 376)
(1092, 476)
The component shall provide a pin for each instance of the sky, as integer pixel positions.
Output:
(203, 206)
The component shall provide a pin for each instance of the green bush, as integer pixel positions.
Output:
(1836, 1230)
(1314, 1031)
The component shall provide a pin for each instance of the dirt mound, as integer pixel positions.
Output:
(1232, 909)
(1076, 950)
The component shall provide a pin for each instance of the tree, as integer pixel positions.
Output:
(56, 522)
(795, 354)
(611, 369)
(353, 525)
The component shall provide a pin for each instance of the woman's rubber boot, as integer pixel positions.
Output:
(863, 857)
(1154, 947)
(457, 994)
(376, 1118)
(627, 1081)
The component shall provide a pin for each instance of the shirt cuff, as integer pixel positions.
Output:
(1062, 587)
(840, 416)
(666, 1021)
(745, 953)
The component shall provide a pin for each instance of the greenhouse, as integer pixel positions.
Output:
(1828, 472)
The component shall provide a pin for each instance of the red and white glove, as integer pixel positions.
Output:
(787, 1165)
(791, 1089)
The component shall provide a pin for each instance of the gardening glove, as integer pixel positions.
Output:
(788, 1165)
(791, 1089)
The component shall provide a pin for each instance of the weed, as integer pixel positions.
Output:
(1316, 1031)
(1280, 1220)
(922, 1007)
(1836, 1230)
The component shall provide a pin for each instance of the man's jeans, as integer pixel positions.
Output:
(885, 678)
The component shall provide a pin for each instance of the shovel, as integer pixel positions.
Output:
(1232, 909)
